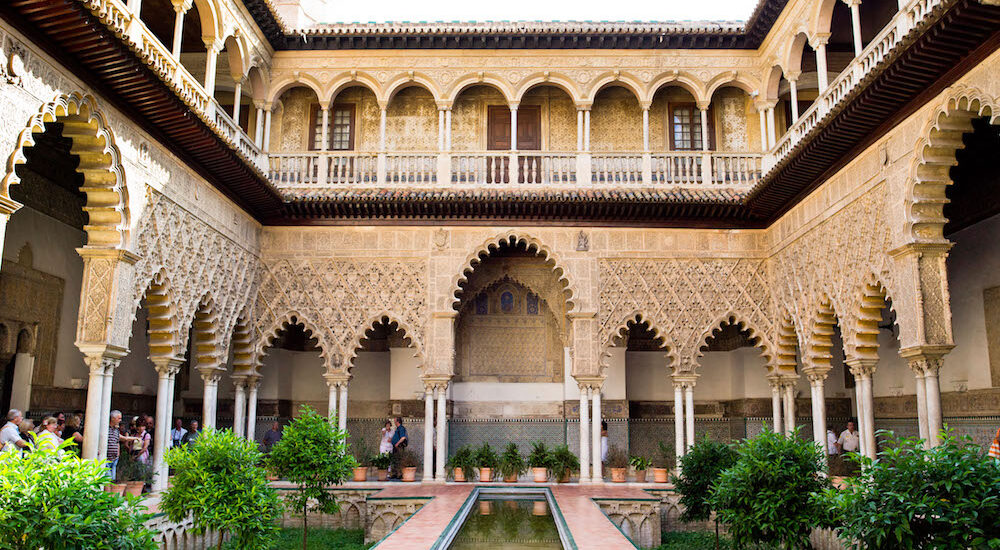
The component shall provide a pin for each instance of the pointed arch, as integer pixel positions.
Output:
(758, 338)
(636, 317)
(934, 157)
(282, 323)
(389, 319)
(512, 238)
(100, 163)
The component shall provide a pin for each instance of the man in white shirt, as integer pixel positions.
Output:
(177, 433)
(10, 435)
(849, 441)
(831, 442)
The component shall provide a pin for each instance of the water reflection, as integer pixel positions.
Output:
(507, 523)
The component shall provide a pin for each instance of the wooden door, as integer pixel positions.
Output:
(498, 128)
(529, 138)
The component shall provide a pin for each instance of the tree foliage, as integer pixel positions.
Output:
(221, 482)
(944, 498)
(700, 469)
(774, 493)
(59, 503)
(313, 455)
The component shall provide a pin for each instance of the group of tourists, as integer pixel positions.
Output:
(21, 434)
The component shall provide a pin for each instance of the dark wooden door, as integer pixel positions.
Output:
(529, 138)
(498, 128)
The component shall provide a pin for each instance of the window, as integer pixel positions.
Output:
(685, 127)
(341, 134)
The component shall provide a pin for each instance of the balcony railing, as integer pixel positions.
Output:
(847, 82)
(331, 169)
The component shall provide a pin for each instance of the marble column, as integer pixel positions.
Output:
(98, 404)
(253, 384)
(816, 383)
(819, 45)
(918, 373)
(689, 413)
(678, 421)
(584, 433)
(597, 475)
(166, 367)
(706, 141)
(442, 430)
(789, 387)
(771, 130)
(779, 426)
(645, 128)
(211, 60)
(331, 402)
(240, 406)
(428, 432)
(794, 93)
(109, 375)
(863, 370)
(342, 403)
(180, 8)
(210, 397)
(237, 98)
(856, 25)
(762, 115)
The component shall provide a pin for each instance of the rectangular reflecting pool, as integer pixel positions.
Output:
(508, 519)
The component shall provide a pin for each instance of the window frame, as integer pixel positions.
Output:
(315, 121)
(697, 119)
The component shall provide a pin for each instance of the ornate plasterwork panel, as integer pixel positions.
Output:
(197, 260)
(338, 299)
(683, 300)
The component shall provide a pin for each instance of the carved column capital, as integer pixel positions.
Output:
(685, 380)
(239, 381)
(338, 379)
(102, 363)
(925, 360)
(861, 367)
(167, 365)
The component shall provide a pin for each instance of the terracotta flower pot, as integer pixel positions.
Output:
(541, 474)
(382, 474)
(485, 474)
(134, 488)
(510, 479)
(618, 475)
(640, 476)
(116, 488)
(410, 474)
(459, 475)
(361, 473)
(660, 475)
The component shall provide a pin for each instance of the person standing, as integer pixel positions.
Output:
(604, 441)
(177, 433)
(385, 444)
(995, 447)
(271, 437)
(47, 437)
(115, 441)
(10, 435)
(71, 432)
(849, 441)
(399, 442)
(831, 442)
(141, 446)
(192, 434)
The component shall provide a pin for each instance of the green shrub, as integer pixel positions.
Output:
(59, 503)
(945, 498)
(640, 463)
(539, 456)
(666, 458)
(381, 461)
(464, 459)
(512, 464)
(133, 469)
(486, 457)
(700, 469)
(312, 454)
(774, 494)
(561, 461)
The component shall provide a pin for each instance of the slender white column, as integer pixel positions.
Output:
(179, 10)
(794, 91)
(381, 129)
(513, 127)
(645, 128)
(869, 418)
(584, 434)
(210, 398)
(763, 128)
(816, 381)
(237, 99)
(705, 141)
(258, 136)
(933, 391)
(331, 403)
(95, 394)
(779, 427)
(440, 130)
(442, 428)
(240, 407)
(586, 130)
(921, 404)
(789, 407)
(597, 475)
(447, 129)
(267, 130)
(211, 59)
(429, 421)
(252, 385)
(771, 132)
(822, 75)
(689, 413)
(859, 399)
(325, 132)
(105, 417)
(342, 417)
(579, 129)
(162, 427)
(856, 24)
(678, 422)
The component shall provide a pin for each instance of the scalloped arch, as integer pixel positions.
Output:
(392, 318)
(861, 328)
(934, 156)
(100, 163)
(244, 359)
(205, 326)
(485, 249)
(636, 317)
(819, 335)
(743, 323)
(271, 331)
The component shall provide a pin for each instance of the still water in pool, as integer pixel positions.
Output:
(508, 523)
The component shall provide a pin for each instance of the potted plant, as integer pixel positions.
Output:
(512, 464)
(361, 470)
(461, 465)
(538, 461)
(641, 464)
(134, 473)
(562, 463)
(617, 463)
(381, 463)
(408, 461)
(663, 464)
(487, 460)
